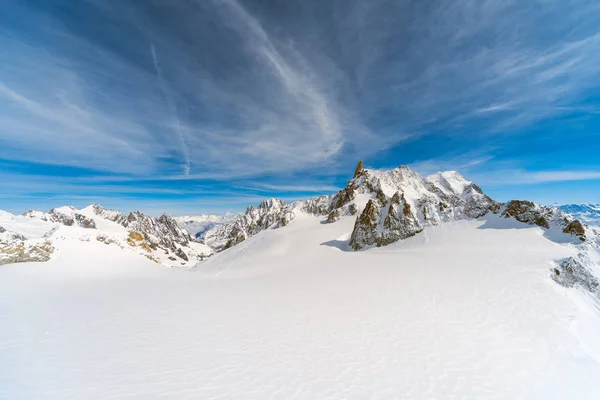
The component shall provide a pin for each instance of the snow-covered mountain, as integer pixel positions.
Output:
(587, 213)
(197, 225)
(36, 235)
(394, 205)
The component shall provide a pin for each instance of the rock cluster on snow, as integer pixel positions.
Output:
(545, 217)
(67, 216)
(572, 272)
(16, 248)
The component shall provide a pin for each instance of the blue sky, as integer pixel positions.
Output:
(210, 105)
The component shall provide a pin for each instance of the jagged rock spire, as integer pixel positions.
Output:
(358, 169)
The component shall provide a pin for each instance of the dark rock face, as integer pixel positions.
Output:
(545, 217)
(571, 272)
(575, 228)
(85, 222)
(359, 169)
(333, 215)
(380, 225)
(528, 212)
(344, 196)
(365, 228)
(179, 253)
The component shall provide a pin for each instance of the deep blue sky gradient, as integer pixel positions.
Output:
(194, 106)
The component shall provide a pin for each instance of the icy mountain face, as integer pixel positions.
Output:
(198, 225)
(34, 235)
(587, 213)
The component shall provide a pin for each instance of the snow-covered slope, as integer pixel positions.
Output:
(39, 236)
(467, 309)
(588, 213)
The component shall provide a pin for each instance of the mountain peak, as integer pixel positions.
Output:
(359, 169)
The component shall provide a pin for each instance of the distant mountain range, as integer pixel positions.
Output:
(197, 225)
(587, 213)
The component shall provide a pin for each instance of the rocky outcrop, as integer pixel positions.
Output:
(108, 214)
(67, 216)
(365, 229)
(528, 212)
(15, 248)
(571, 272)
(162, 232)
(544, 217)
(359, 169)
(271, 213)
(574, 228)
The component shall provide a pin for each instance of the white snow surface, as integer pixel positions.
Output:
(462, 311)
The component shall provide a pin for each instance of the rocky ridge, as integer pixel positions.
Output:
(160, 239)
(271, 213)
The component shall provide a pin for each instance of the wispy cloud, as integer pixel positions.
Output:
(172, 110)
(232, 90)
(524, 177)
(293, 188)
